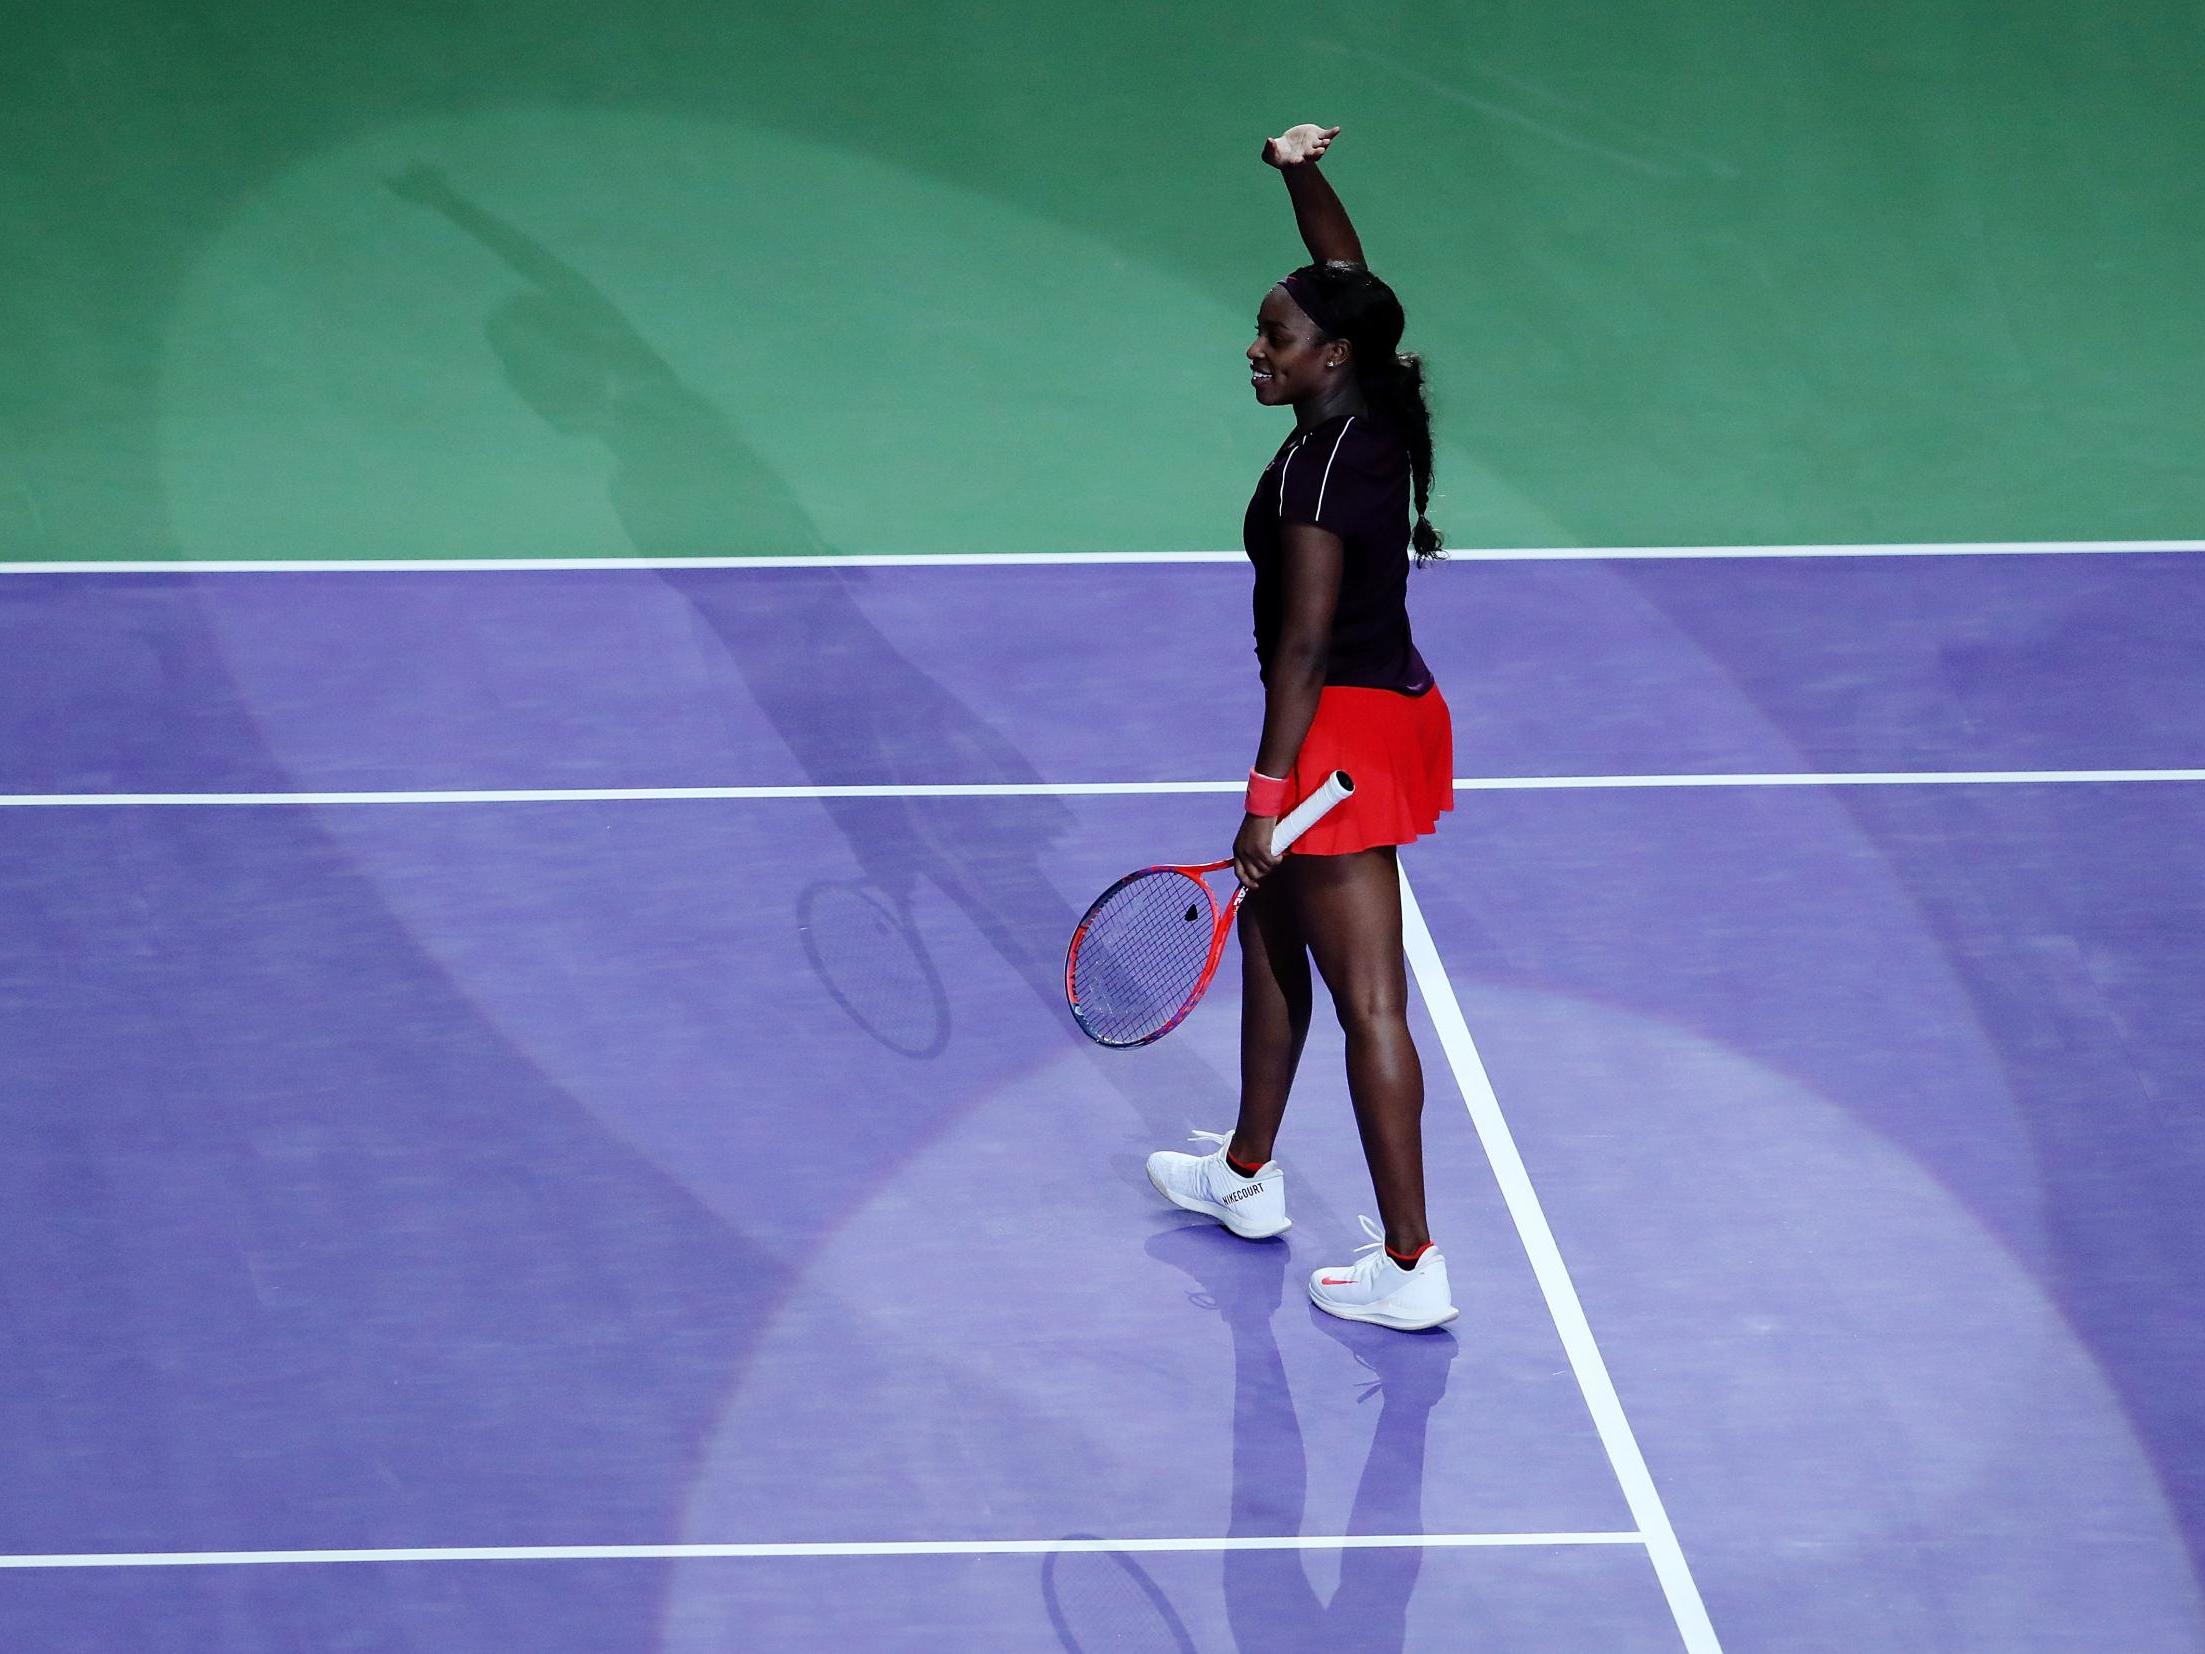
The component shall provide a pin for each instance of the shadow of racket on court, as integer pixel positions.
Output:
(1103, 1602)
(866, 952)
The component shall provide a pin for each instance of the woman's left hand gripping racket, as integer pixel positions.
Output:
(1145, 953)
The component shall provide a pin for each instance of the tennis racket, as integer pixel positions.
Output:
(1144, 954)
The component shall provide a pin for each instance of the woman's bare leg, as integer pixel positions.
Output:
(1274, 1013)
(1350, 913)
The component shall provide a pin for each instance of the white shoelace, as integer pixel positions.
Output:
(1368, 1266)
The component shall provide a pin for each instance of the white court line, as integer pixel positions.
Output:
(1554, 1280)
(1080, 789)
(1951, 548)
(1047, 559)
(500, 565)
(626, 795)
(1812, 778)
(892, 1547)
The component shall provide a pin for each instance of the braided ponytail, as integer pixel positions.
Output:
(1396, 390)
(1363, 310)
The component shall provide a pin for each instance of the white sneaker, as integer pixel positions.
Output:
(1375, 1288)
(1253, 1208)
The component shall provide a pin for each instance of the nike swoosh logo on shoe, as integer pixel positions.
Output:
(1327, 1280)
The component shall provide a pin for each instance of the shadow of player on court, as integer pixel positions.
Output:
(1269, 1600)
(848, 704)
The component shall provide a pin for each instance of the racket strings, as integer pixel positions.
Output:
(1141, 956)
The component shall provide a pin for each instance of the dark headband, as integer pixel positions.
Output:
(1314, 307)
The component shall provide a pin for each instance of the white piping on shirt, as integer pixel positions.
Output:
(1324, 481)
(1327, 477)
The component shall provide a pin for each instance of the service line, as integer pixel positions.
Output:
(855, 1547)
(1073, 789)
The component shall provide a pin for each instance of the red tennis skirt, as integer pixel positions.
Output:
(1399, 750)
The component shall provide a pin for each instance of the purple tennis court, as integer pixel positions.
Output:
(530, 1091)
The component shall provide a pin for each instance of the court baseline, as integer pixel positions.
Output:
(952, 559)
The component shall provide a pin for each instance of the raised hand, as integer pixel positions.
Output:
(1298, 144)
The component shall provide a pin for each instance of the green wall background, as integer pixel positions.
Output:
(976, 277)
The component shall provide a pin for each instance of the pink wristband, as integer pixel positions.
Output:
(1266, 794)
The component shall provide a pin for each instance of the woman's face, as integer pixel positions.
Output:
(1287, 360)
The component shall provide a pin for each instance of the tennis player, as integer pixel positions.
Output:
(1330, 534)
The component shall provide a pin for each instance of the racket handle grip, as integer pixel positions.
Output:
(1309, 811)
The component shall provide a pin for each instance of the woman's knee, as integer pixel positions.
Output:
(1373, 1009)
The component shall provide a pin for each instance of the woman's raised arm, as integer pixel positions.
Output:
(1318, 214)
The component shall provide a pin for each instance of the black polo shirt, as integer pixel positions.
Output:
(1349, 475)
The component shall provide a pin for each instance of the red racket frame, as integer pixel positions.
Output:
(1336, 789)
(1221, 928)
